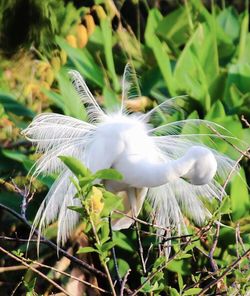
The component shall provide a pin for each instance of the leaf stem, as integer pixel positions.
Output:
(102, 261)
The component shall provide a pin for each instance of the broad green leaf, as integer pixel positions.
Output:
(239, 196)
(87, 250)
(11, 105)
(15, 155)
(83, 61)
(228, 20)
(179, 266)
(225, 207)
(107, 246)
(71, 100)
(173, 292)
(192, 291)
(180, 281)
(123, 266)
(159, 49)
(147, 286)
(75, 166)
(159, 261)
(77, 209)
(124, 242)
(110, 99)
(174, 27)
(238, 74)
(217, 111)
(111, 202)
(108, 51)
(108, 174)
(243, 48)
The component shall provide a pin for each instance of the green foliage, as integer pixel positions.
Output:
(193, 50)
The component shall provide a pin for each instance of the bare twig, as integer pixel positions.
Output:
(16, 287)
(124, 282)
(114, 253)
(239, 237)
(67, 274)
(215, 281)
(245, 121)
(142, 221)
(12, 268)
(35, 270)
(212, 250)
(54, 246)
(18, 240)
(245, 153)
(148, 253)
(140, 249)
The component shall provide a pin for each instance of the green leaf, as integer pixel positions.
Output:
(159, 49)
(11, 105)
(108, 174)
(243, 47)
(173, 292)
(147, 287)
(15, 155)
(238, 74)
(225, 207)
(159, 261)
(30, 286)
(72, 104)
(110, 98)
(239, 196)
(111, 202)
(174, 27)
(75, 166)
(217, 111)
(123, 242)
(107, 246)
(108, 51)
(180, 281)
(192, 291)
(76, 209)
(83, 61)
(85, 250)
(229, 22)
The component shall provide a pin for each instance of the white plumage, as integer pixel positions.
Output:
(171, 170)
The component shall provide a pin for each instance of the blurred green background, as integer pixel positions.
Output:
(191, 47)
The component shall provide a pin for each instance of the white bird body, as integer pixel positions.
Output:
(172, 171)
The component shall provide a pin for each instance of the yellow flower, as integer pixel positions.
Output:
(96, 203)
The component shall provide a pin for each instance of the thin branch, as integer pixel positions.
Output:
(245, 153)
(148, 253)
(212, 250)
(12, 268)
(16, 287)
(142, 221)
(35, 270)
(214, 282)
(104, 263)
(54, 246)
(18, 240)
(140, 249)
(114, 253)
(124, 282)
(67, 274)
(245, 121)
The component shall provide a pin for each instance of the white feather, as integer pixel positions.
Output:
(130, 85)
(153, 160)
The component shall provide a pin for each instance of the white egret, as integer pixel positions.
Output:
(171, 170)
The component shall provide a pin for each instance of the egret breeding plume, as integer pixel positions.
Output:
(174, 171)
